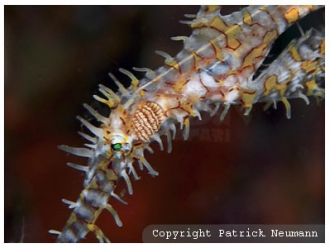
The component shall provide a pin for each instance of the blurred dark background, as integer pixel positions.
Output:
(260, 169)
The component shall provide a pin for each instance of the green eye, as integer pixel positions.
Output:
(116, 147)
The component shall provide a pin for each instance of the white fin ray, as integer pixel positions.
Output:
(70, 203)
(121, 88)
(148, 166)
(224, 112)
(168, 58)
(186, 128)
(157, 138)
(173, 129)
(124, 175)
(180, 38)
(304, 97)
(216, 109)
(88, 137)
(95, 130)
(113, 99)
(52, 231)
(133, 171)
(169, 141)
(96, 114)
(114, 214)
(134, 81)
(114, 195)
(81, 152)
(93, 146)
(78, 167)
(148, 72)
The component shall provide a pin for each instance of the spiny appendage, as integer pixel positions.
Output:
(94, 198)
(247, 13)
(99, 184)
(88, 207)
(252, 27)
(102, 173)
(231, 48)
(114, 99)
(296, 73)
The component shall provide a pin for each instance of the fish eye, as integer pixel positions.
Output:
(116, 147)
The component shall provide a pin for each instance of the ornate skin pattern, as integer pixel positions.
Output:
(215, 69)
